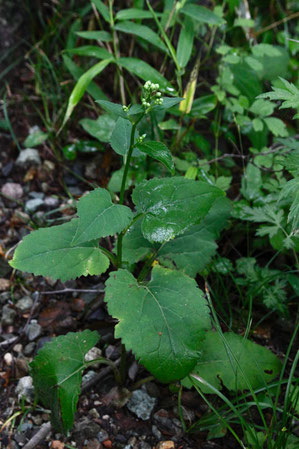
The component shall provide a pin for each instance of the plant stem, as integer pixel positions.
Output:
(123, 187)
(111, 256)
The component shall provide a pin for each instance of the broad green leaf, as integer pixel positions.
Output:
(251, 182)
(135, 246)
(113, 108)
(262, 108)
(90, 50)
(36, 137)
(77, 72)
(50, 252)
(103, 36)
(101, 128)
(201, 14)
(172, 205)
(103, 9)
(99, 217)
(191, 251)
(142, 31)
(276, 126)
(158, 151)
(121, 136)
(185, 44)
(257, 124)
(162, 322)
(57, 375)
(274, 61)
(168, 102)
(81, 86)
(233, 361)
(203, 105)
(244, 23)
(246, 80)
(144, 71)
(132, 13)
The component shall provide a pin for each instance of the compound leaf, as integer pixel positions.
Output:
(50, 252)
(158, 151)
(162, 322)
(99, 217)
(234, 361)
(172, 205)
(57, 375)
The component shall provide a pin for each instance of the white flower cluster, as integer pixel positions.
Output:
(141, 138)
(152, 96)
(126, 108)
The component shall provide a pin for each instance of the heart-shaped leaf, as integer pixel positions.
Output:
(235, 361)
(172, 205)
(57, 375)
(99, 217)
(50, 252)
(162, 322)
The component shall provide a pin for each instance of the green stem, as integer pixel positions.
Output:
(120, 239)
(147, 266)
(104, 361)
(110, 256)
(123, 186)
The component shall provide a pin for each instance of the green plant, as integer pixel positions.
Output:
(164, 320)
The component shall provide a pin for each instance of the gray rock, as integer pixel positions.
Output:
(28, 350)
(141, 404)
(87, 428)
(33, 330)
(28, 157)
(102, 435)
(8, 315)
(12, 190)
(51, 202)
(33, 205)
(24, 304)
(88, 376)
(35, 195)
(5, 297)
(25, 388)
(156, 432)
(144, 445)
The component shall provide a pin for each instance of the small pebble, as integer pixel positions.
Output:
(102, 435)
(8, 359)
(33, 330)
(18, 348)
(12, 190)
(33, 205)
(156, 432)
(165, 445)
(28, 157)
(94, 413)
(29, 349)
(24, 388)
(141, 404)
(24, 304)
(8, 315)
